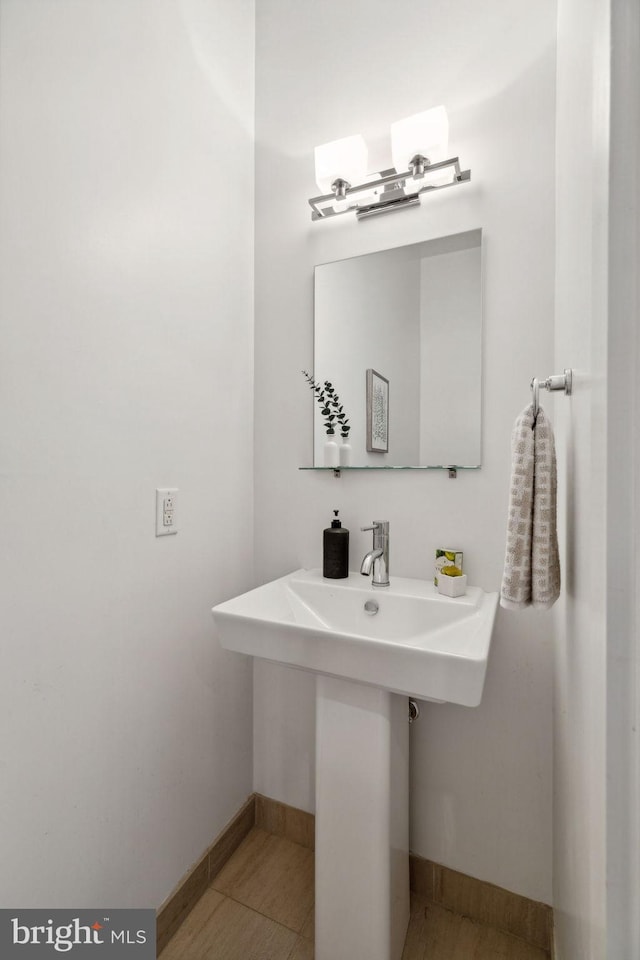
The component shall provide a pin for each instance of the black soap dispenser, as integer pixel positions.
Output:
(335, 551)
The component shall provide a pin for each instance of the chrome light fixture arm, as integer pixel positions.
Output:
(390, 187)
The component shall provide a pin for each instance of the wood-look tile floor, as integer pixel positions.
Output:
(260, 907)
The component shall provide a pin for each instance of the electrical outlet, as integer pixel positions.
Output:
(166, 504)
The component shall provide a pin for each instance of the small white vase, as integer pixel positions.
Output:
(331, 455)
(344, 453)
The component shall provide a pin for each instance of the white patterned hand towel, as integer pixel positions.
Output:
(532, 563)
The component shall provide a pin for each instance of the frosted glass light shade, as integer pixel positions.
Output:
(425, 133)
(344, 159)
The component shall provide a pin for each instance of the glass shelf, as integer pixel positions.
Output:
(452, 468)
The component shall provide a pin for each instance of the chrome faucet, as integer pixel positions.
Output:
(378, 558)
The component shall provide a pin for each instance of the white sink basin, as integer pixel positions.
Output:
(419, 643)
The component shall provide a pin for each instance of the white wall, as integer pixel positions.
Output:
(125, 364)
(596, 885)
(623, 488)
(481, 779)
(580, 653)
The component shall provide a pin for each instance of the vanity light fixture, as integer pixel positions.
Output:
(419, 147)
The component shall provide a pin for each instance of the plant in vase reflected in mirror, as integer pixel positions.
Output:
(336, 423)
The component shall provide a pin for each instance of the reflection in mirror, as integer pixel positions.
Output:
(413, 315)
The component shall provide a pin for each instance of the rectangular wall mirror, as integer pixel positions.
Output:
(413, 315)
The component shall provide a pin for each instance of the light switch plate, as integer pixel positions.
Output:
(166, 511)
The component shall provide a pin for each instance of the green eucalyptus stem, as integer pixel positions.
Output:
(330, 407)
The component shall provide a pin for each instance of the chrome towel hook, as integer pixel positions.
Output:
(535, 396)
(560, 381)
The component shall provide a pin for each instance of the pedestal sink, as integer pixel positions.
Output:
(370, 649)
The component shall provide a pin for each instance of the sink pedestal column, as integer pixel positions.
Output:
(362, 821)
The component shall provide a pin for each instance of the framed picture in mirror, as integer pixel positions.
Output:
(377, 412)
